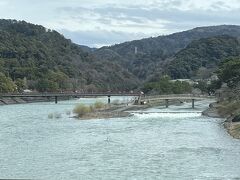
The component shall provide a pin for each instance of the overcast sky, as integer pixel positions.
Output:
(103, 22)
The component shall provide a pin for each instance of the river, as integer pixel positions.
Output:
(163, 145)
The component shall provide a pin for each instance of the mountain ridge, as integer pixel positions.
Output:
(153, 53)
(50, 62)
(45, 60)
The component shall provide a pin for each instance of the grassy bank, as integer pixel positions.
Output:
(99, 110)
(229, 109)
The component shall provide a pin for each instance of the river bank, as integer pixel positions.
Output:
(229, 111)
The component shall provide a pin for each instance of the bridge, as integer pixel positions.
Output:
(67, 94)
(140, 100)
(178, 97)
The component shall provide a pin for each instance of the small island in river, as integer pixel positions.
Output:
(100, 110)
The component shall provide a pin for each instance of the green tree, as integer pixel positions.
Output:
(202, 85)
(216, 84)
(45, 85)
(21, 84)
(60, 78)
(165, 86)
(6, 84)
(179, 87)
(229, 71)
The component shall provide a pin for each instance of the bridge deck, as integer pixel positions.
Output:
(176, 97)
(170, 112)
(67, 94)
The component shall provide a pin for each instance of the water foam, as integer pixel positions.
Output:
(166, 114)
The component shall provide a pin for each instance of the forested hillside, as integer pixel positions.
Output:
(38, 58)
(153, 54)
(34, 57)
(202, 56)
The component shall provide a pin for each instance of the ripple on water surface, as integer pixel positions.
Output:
(167, 145)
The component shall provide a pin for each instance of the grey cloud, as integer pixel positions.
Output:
(140, 15)
(173, 20)
(219, 5)
(146, 17)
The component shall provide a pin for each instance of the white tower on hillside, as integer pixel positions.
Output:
(136, 50)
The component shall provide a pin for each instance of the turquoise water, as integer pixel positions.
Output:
(145, 146)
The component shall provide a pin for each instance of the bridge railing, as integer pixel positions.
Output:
(175, 96)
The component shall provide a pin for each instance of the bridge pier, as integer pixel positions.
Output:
(139, 100)
(193, 100)
(167, 102)
(109, 100)
(56, 99)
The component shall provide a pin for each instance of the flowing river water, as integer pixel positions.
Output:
(175, 143)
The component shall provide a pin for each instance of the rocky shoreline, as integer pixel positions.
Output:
(231, 123)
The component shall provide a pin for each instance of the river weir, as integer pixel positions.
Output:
(156, 143)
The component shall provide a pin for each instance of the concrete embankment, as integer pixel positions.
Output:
(23, 100)
(8, 101)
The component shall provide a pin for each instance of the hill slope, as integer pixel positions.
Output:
(48, 62)
(42, 59)
(153, 53)
(205, 53)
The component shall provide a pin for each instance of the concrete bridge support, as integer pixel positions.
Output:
(167, 102)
